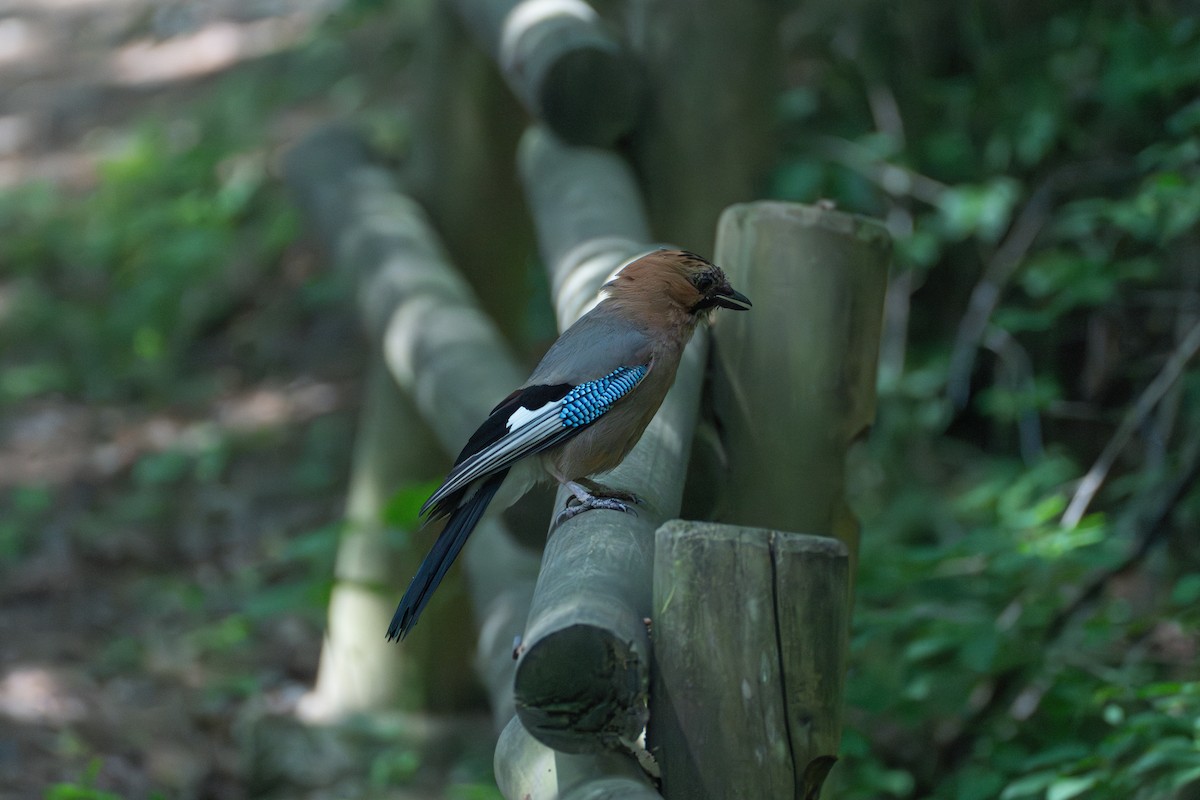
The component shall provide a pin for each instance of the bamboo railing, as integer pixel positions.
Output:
(656, 657)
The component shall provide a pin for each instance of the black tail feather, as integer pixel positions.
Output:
(449, 542)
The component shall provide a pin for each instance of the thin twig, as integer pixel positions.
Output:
(1153, 531)
(892, 178)
(1005, 261)
(986, 294)
(1134, 418)
(1017, 372)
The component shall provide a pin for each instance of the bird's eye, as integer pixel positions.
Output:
(704, 282)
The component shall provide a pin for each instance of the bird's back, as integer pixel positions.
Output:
(599, 342)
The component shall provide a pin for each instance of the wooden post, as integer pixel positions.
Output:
(465, 127)
(561, 62)
(707, 137)
(794, 383)
(750, 630)
(356, 674)
(526, 769)
(581, 684)
(442, 350)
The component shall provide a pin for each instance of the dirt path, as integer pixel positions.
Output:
(70, 68)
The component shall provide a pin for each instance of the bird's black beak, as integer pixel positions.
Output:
(728, 297)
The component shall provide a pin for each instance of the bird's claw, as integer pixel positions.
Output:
(628, 497)
(580, 506)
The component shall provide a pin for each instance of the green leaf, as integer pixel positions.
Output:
(166, 467)
(1182, 779)
(1037, 133)
(1186, 591)
(404, 506)
(799, 180)
(1171, 750)
(929, 647)
(1066, 788)
(976, 782)
(982, 210)
(1029, 786)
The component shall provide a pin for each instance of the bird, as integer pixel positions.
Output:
(581, 411)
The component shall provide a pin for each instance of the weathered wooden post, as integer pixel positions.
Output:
(750, 630)
(562, 63)
(751, 623)
(821, 276)
(449, 358)
(465, 127)
(392, 448)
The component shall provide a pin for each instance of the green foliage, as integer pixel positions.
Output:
(474, 791)
(394, 767)
(84, 790)
(981, 211)
(1048, 156)
(173, 279)
(28, 507)
(111, 290)
(1152, 748)
(403, 508)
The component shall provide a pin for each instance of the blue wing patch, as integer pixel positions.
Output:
(587, 401)
(529, 421)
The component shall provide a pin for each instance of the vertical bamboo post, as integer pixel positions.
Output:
(750, 630)
(794, 384)
(707, 138)
(356, 673)
(466, 126)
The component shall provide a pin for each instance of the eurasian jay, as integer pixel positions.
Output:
(582, 410)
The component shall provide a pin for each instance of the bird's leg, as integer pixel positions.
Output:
(587, 501)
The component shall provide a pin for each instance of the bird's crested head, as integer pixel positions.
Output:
(673, 282)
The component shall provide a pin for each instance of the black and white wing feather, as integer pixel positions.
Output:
(527, 422)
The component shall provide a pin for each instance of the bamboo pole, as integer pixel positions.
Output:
(440, 348)
(589, 216)
(581, 683)
(562, 63)
(794, 385)
(750, 638)
(528, 770)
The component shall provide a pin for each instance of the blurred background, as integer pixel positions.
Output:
(181, 371)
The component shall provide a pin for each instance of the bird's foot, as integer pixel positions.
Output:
(583, 501)
(576, 508)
